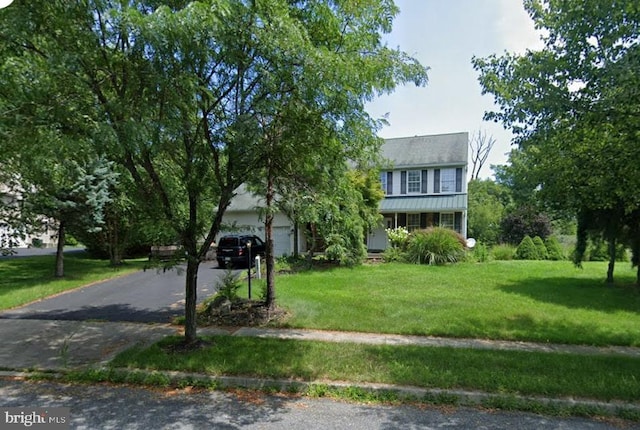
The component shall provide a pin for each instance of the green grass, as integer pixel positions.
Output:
(505, 372)
(541, 301)
(26, 279)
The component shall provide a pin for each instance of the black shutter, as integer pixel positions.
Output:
(424, 182)
(457, 223)
(459, 180)
(423, 220)
(403, 182)
(436, 219)
(389, 183)
(436, 181)
(402, 220)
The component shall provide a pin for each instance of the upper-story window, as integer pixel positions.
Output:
(447, 180)
(383, 181)
(386, 181)
(414, 181)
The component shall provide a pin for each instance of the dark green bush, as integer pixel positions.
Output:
(527, 250)
(435, 245)
(543, 253)
(554, 249)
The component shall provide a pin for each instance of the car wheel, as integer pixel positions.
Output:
(221, 264)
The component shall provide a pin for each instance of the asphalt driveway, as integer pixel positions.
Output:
(149, 296)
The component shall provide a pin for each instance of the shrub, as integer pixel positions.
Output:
(503, 252)
(526, 221)
(543, 253)
(435, 245)
(228, 285)
(480, 253)
(393, 253)
(527, 250)
(554, 249)
(598, 250)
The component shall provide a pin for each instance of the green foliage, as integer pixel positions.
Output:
(598, 250)
(480, 252)
(487, 204)
(543, 253)
(503, 252)
(435, 245)
(527, 250)
(229, 285)
(554, 249)
(394, 254)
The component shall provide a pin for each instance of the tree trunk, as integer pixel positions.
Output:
(612, 260)
(60, 251)
(115, 248)
(191, 290)
(270, 299)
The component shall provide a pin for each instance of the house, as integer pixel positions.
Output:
(11, 203)
(424, 184)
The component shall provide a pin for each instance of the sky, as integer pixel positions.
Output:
(444, 35)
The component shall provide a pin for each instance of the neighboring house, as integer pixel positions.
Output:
(10, 202)
(425, 185)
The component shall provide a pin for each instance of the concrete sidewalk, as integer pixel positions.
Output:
(29, 344)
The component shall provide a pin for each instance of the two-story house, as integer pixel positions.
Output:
(425, 184)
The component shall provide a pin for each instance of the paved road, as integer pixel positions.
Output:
(145, 296)
(117, 407)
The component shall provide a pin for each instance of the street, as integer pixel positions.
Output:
(121, 407)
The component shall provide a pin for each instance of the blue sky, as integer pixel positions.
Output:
(444, 35)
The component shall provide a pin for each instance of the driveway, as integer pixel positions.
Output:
(149, 296)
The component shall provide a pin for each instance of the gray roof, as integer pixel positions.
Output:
(456, 202)
(425, 151)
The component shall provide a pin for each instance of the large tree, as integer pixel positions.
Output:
(574, 108)
(185, 95)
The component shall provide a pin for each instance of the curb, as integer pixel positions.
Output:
(380, 392)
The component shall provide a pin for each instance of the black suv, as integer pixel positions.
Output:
(232, 250)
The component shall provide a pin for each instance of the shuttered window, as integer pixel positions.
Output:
(414, 181)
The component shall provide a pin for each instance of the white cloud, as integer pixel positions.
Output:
(516, 28)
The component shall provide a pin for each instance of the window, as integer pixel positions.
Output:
(414, 181)
(383, 181)
(447, 180)
(413, 222)
(447, 220)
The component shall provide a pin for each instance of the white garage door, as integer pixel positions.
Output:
(282, 241)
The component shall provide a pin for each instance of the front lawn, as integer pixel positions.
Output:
(541, 301)
(25, 279)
